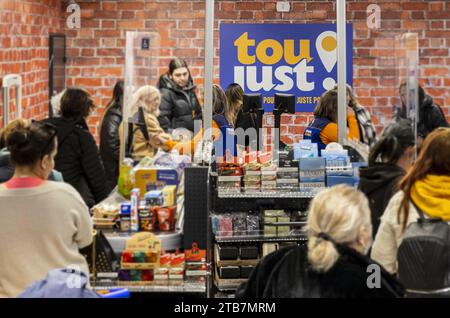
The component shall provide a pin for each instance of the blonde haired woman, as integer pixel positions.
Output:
(333, 264)
(149, 98)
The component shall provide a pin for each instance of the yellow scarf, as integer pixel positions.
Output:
(432, 196)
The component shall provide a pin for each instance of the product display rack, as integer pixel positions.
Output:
(232, 201)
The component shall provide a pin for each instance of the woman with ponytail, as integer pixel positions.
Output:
(389, 159)
(334, 263)
(426, 186)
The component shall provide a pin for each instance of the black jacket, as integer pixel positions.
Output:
(379, 184)
(430, 117)
(246, 121)
(179, 107)
(110, 142)
(78, 160)
(292, 277)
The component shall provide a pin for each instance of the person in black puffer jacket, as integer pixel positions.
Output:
(389, 159)
(333, 264)
(179, 104)
(109, 135)
(78, 159)
(430, 114)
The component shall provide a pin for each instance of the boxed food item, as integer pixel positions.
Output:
(147, 179)
(268, 185)
(161, 274)
(170, 195)
(176, 273)
(248, 252)
(229, 183)
(239, 223)
(229, 272)
(270, 229)
(228, 252)
(229, 171)
(312, 170)
(283, 229)
(226, 225)
(154, 198)
(335, 180)
(252, 224)
(147, 219)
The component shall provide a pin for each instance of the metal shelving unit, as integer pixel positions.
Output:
(278, 194)
(182, 287)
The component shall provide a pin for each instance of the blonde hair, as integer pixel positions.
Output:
(148, 97)
(339, 213)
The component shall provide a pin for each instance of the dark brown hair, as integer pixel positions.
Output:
(434, 158)
(29, 143)
(327, 106)
(76, 103)
(177, 63)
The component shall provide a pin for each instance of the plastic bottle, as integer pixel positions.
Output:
(125, 182)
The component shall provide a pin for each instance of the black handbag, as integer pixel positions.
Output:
(99, 255)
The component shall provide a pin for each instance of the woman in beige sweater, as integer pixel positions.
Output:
(427, 184)
(149, 98)
(43, 223)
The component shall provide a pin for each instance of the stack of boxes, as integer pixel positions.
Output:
(269, 178)
(338, 167)
(229, 179)
(287, 175)
(252, 177)
(312, 174)
(271, 217)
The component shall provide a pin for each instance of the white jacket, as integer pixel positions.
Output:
(390, 234)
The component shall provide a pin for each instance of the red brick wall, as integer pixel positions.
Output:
(96, 54)
(96, 51)
(25, 26)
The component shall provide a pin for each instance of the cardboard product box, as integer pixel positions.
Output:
(229, 272)
(312, 170)
(283, 230)
(176, 273)
(161, 274)
(170, 195)
(147, 179)
(229, 183)
(228, 252)
(287, 184)
(335, 180)
(270, 229)
(287, 173)
(268, 185)
(230, 171)
(248, 252)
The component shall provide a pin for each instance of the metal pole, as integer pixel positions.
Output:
(209, 67)
(341, 70)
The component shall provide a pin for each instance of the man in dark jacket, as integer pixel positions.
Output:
(78, 159)
(109, 135)
(430, 114)
(179, 105)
